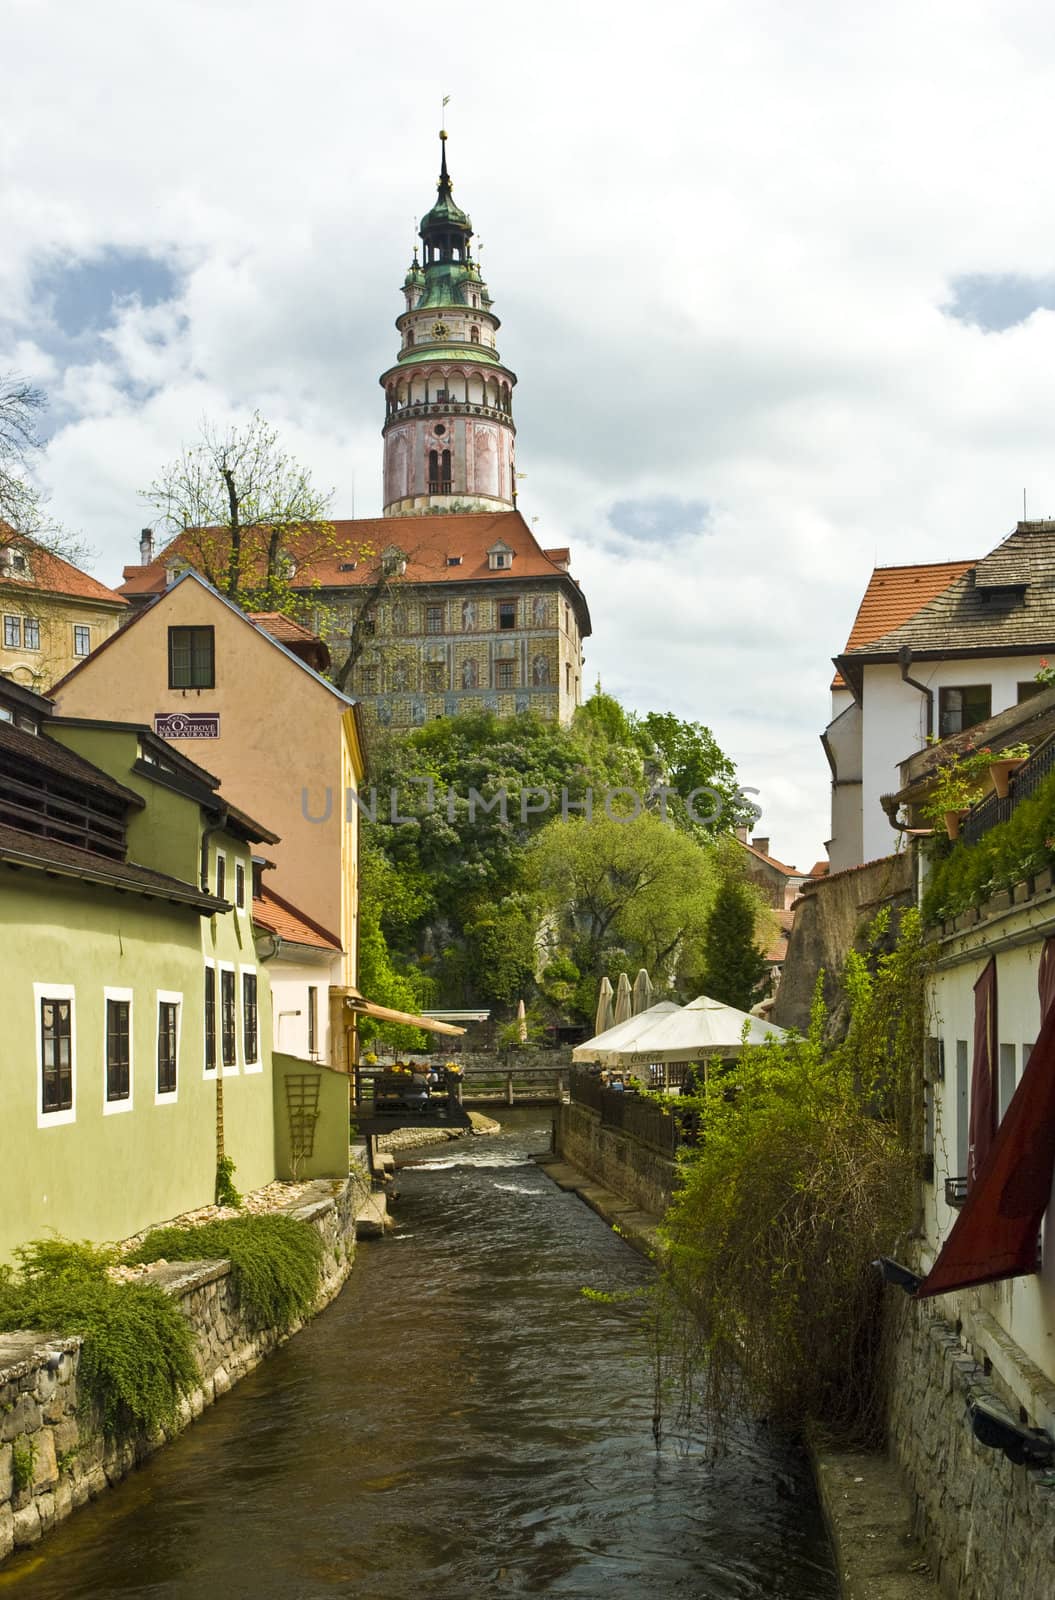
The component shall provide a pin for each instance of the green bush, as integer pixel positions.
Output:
(803, 1173)
(965, 874)
(276, 1262)
(137, 1359)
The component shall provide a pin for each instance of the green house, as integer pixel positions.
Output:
(135, 1042)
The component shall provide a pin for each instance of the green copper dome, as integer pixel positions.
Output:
(445, 215)
(415, 277)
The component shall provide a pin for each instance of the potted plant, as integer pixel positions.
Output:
(954, 789)
(1003, 764)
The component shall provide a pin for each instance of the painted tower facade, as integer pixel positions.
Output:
(449, 433)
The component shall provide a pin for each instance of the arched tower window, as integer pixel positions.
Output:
(434, 472)
(474, 335)
(410, 336)
(445, 472)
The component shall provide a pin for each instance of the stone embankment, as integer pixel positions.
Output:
(53, 1455)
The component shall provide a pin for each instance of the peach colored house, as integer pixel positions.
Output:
(284, 742)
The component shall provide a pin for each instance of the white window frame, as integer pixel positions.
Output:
(55, 991)
(256, 1065)
(167, 997)
(210, 1073)
(12, 616)
(232, 1070)
(82, 627)
(113, 1108)
(239, 867)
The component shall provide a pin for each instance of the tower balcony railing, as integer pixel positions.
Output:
(428, 408)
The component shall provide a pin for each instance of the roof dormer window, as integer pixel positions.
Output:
(500, 557)
(14, 563)
(454, 561)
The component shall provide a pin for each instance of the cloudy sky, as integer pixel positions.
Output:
(778, 282)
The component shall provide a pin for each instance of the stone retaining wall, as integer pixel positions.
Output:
(53, 1457)
(614, 1159)
(988, 1527)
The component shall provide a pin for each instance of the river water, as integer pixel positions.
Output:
(461, 1423)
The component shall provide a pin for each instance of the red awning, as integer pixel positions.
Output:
(995, 1235)
(982, 1125)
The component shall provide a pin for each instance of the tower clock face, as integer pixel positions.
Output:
(439, 330)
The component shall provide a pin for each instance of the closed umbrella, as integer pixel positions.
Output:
(521, 1022)
(622, 1035)
(603, 1019)
(642, 992)
(624, 1005)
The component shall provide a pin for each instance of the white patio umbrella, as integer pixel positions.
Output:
(703, 1029)
(600, 1048)
(624, 1004)
(642, 997)
(603, 1017)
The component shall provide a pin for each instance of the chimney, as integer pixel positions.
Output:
(761, 844)
(741, 834)
(146, 547)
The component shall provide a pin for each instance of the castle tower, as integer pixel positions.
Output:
(449, 434)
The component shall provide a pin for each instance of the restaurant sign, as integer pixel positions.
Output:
(187, 724)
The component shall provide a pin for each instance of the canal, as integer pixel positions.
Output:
(460, 1423)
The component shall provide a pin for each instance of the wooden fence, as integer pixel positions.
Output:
(643, 1120)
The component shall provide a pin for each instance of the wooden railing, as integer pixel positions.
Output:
(507, 1086)
(498, 1085)
(651, 1125)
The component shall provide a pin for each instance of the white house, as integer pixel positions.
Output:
(934, 650)
(303, 961)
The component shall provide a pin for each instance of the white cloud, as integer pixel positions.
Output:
(721, 239)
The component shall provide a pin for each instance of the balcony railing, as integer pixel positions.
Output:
(993, 810)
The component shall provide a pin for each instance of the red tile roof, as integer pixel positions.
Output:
(771, 861)
(282, 627)
(277, 916)
(896, 593)
(53, 575)
(779, 948)
(428, 542)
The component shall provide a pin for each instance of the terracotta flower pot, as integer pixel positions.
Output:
(952, 823)
(1000, 775)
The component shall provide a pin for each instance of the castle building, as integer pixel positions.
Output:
(446, 603)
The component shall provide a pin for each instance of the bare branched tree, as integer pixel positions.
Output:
(249, 516)
(357, 633)
(20, 405)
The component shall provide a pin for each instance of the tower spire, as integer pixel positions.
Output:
(444, 188)
(449, 431)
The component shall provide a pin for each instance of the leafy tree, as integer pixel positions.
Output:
(479, 882)
(386, 986)
(248, 516)
(500, 944)
(693, 760)
(733, 965)
(639, 886)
